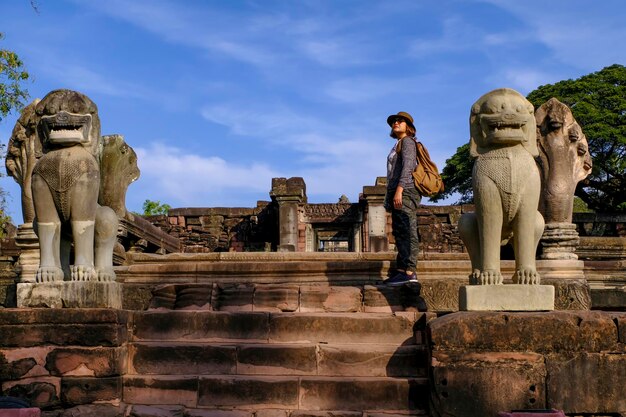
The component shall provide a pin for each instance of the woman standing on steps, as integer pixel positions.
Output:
(402, 198)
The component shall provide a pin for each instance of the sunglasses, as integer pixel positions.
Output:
(398, 120)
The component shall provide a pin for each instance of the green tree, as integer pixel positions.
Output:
(12, 98)
(457, 176)
(598, 103)
(154, 208)
(12, 75)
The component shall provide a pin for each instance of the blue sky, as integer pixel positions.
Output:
(218, 97)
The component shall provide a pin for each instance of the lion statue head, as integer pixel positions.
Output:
(502, 118)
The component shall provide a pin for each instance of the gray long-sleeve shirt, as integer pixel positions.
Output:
(400, 166)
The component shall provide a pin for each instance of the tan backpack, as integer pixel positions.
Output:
(426, 175)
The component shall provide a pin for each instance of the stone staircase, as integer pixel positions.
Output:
(236, 364)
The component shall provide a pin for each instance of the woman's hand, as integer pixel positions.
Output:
(397, 198)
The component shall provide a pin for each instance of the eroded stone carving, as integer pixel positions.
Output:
(118, 165)
(23, 151)
(65, 189)
(564, 159)
(506, 183)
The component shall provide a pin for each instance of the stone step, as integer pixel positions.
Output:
(301, 298)
(180, 411)
(214, 326)
(312, 393)
(303, 359)
(309, 284)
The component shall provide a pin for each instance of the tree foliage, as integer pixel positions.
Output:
(457, 176)
(155, 208)
(598, 103)
(12, 75)
(12, 98)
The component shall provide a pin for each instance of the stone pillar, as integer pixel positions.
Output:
(559, 241)
(309, 245)
(28, 262)
(289, 194)
(374, 197)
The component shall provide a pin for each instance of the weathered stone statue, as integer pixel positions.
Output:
(23, 151)
(564, 160)
(118, 167)
(65, 189)
(506, 183)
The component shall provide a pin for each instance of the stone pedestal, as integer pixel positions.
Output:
(376, 217)
(28, 262)
(70, 294)
(511, 297)
(559, 241)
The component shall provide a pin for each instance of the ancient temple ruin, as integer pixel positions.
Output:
(280, 309)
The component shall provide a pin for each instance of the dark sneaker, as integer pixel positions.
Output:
(401, 278)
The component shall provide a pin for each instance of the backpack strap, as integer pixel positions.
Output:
(399, 144)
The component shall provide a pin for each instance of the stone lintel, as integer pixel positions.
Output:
(291, 187)
(70, 294)
(284, 199)
(511, 297)
(373, 192)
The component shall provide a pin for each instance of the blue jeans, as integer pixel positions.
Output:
(404, 228)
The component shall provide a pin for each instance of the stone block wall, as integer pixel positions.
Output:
(66, 360)
(484, 363)
(437, 228)
(222, 229)
(107, 363)
(203, 230)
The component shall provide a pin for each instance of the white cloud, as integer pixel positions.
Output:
(254, 36)
(333, 156)
(319, 141)
(172, 175)
(524, 79)
(264, 119)
(457, 35)
(578, 32)
(78, 77)
(361, 89)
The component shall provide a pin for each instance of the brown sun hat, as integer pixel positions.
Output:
(401, 115)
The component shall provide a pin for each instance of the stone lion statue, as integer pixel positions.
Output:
(65, 189)
(507, 184)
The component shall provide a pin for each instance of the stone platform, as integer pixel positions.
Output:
(297, 335)
(247, 276)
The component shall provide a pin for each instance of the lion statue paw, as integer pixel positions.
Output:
(526, 276)
(49, 274)
(83, 273)
(490, 277)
